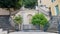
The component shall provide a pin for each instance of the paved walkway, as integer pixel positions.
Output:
(32, 33)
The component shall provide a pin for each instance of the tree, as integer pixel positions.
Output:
(15, 4)
(39, 19)
(18, 20)
(30, 3)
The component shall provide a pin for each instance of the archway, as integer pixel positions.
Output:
(29, 16)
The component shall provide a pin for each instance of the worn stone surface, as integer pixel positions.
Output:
(32, 33)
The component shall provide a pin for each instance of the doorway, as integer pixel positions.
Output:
(57, 10)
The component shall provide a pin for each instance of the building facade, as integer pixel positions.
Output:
(55, 7)
(44, 2)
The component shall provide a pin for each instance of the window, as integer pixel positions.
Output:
(52, 0)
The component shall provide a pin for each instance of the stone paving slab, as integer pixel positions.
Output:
(32, 33)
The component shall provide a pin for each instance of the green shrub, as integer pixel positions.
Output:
(39, 19)
(18, 19)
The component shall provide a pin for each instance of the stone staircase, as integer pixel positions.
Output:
(44, 10)
(5, 24)
(53, 24)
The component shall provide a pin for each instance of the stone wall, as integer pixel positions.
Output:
(4, 12)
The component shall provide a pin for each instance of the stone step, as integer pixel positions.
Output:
(53, 24)
(4, 23)
(44, 11)
(4, 32)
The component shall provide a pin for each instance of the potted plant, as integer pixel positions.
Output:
(18, 21)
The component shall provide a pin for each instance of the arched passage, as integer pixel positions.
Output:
(29, 16)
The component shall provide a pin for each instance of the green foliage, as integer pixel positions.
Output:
(39, 19)
(16, 4)
(10, 4)
(30, 3)
(18, 19)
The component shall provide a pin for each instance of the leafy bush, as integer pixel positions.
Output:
(18, 19)
(39, 19)
(10, 4)
(30, 3)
